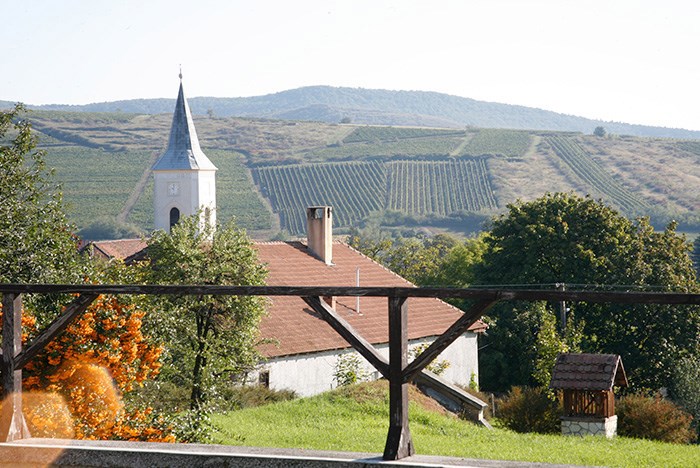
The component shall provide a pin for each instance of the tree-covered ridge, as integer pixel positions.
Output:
(381, 107)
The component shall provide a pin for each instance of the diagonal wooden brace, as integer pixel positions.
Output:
(344, 329)
(446, 339)
(74, 310)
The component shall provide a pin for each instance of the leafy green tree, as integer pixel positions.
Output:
(370, 241)
(36, 241)
(599, 132)
(436, 260)
(550, 342)
(686, 387)
(456, 265)
(109, 228)
(564, 238)
(696, 255)
(209, 339)
(37, 246)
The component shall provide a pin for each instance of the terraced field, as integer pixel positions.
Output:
(439, 187)
(355, 189)
(508, 143)
(595, 176)
(270, 170)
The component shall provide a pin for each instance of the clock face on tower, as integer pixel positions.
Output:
(173, 189)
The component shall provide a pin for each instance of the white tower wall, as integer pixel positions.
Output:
(184, 178)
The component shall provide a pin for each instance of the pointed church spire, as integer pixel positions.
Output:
(183, 151)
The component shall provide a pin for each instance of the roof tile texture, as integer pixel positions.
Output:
(296, 328)
(122, 248)
(299, 330)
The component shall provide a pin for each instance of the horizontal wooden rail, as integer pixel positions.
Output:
(396, 369)
(619, 297)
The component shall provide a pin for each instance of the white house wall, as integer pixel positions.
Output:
(310, 374)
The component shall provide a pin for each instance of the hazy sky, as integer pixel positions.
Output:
(634, 61)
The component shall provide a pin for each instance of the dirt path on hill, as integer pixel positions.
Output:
(467, 138)
(137, 191)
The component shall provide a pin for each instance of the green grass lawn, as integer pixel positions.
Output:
(355, 419)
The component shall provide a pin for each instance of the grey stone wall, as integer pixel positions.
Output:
(589, 426)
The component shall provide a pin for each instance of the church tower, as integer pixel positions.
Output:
(184, 178)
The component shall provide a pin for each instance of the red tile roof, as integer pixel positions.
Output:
(295, 327)
(299, 330)
(588, 372)
(121, 248)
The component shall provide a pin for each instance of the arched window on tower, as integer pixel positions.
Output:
(174, 217)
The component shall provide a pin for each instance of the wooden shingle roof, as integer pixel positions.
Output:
(588, 372)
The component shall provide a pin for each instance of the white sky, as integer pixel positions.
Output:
(633, 61)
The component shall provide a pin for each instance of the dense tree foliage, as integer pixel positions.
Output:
(425, 261)
(686, 387)
(563, 238)
(75, 387)
(209, 339)
(102, 357)
(696, 255)
(36, 244)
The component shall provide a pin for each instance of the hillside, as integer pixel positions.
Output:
(355, 418)
(443, 178)
(380, 107)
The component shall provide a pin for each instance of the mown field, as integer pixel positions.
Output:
(355, 419)
(270, 170)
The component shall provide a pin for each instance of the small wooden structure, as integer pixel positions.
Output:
(587, 381)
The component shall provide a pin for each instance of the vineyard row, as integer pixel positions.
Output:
(355, 189)
(594, 175)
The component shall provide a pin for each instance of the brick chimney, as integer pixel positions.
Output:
(319, 232)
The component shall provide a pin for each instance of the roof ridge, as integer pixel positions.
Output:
(119, 240)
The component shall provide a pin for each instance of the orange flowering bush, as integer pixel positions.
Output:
(100, 356)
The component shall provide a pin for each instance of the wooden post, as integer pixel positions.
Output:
(562, 309)
(12, 424)
(398, 442)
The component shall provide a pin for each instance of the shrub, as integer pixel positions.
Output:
(435, 366)
(529, 410)
(247, 396)
(686, 384)
(654, 418)
(349, 370)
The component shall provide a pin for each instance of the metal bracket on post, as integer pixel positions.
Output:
(12, 423)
